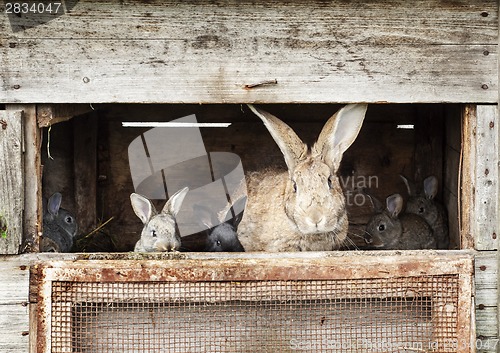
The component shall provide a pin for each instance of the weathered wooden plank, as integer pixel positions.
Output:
(468, 182)
(251, 268)
(14, 308)
(487, 322)
(11, 181)
(485, 275)
(486, 174)
(144, 71)
(14, 328)
(431, 51)
(486, 293)
(32, 222)
(14, 280)
(372, 22)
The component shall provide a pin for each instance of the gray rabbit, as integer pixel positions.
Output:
(389, 229)
(59, 226)
(159, 233)
(426, 206)
(221, 236)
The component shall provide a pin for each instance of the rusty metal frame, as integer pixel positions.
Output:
(251, 267)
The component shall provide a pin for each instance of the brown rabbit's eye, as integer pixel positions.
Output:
(381, 227)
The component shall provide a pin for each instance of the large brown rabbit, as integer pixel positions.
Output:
(302, 209)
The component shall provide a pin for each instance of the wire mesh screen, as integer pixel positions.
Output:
(411, 314)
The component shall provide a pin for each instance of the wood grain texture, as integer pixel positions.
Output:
(32, 174)
(14, 328)
(11, 181)
(382, 51)
(14, 311)
(486, 174)
(468, 178)
(486, 305)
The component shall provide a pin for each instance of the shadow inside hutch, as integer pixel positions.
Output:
(415, 140)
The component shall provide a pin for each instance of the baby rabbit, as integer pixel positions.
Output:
(159, 231)
(427, 207)
(302, 209)
(390, 229)
(221, 236)
(59, 226)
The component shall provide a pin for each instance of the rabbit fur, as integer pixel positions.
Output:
(302, 209)
(159, 233)
(389, 229)
(59, 226)
(426, 206)
(221, 235)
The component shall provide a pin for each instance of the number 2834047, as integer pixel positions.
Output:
(45, 7)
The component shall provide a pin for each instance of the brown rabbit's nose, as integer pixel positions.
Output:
(165, 247)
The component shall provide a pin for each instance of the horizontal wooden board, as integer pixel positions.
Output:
(335, 265)
(372, 22)
(212, 52)
(14, 328)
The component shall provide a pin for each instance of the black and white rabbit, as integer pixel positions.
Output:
(221, 235)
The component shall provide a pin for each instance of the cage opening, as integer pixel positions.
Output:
(362, 315)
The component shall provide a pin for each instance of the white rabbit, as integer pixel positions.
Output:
(302, 209)
(159, 231)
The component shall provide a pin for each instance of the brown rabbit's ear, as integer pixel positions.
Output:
(174, 203)
(377, 206)
(430, 187)
(287, 140)
(394, 205)
(410, 186)
(143, 207)
(339, 133)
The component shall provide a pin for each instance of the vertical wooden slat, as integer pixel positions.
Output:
(32, 224)
(467, 196)
(486, 202)
(11, 181)
(498, 186)
(465, 302)
(479, 209)
(85, 171)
